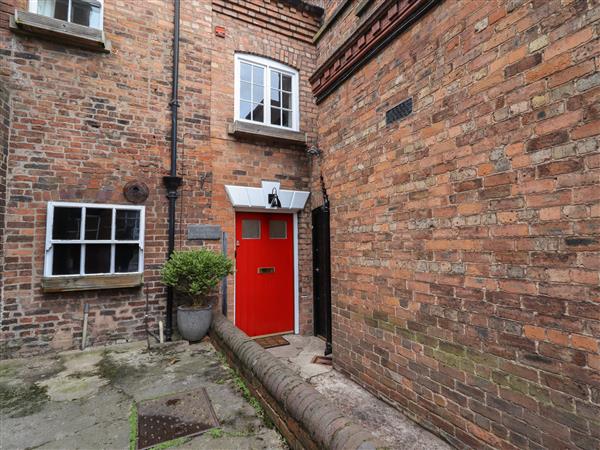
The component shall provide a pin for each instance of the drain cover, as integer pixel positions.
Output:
(174, 416)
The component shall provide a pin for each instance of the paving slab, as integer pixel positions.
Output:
(384, 421)
(83, 399)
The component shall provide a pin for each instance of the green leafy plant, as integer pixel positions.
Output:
(195, 273)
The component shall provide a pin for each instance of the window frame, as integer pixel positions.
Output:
(49, 247)
(267, 65)
(33, 8)
(285, 228)
(257, 238)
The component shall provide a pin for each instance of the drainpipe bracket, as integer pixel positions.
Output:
(172, 183)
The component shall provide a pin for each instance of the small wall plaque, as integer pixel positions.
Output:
(204, 232)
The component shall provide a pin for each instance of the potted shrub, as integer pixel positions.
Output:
(193, 275)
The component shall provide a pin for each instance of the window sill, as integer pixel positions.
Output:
(60, 31)
(247, 130)
(68, 283)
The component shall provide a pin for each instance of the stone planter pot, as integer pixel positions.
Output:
(193, 322)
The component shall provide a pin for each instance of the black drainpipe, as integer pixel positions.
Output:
(172, 181)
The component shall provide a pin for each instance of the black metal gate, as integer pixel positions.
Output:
(322, 274)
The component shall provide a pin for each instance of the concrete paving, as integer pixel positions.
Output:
(82, 400)
(386, 423)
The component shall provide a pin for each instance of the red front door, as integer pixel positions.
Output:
(264, 277)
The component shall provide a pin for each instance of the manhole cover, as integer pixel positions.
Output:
(174, 416)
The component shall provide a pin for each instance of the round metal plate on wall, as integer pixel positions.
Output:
(136, 192)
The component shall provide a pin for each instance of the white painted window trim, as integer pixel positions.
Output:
(49, 249)
(268, 65)
(33, 8)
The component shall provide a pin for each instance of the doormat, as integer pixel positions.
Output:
(174, 416)
(271, 341)
(325, 360)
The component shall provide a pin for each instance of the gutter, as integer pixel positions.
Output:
(172, 181)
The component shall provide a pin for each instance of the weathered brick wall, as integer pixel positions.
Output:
(466, 238)
(87, 123)
(306, 419)
(246, 162)
(343, 25)
(7, 7)
(83, 125)
(4, 135)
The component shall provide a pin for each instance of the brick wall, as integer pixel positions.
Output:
(7, 7)
(4, 136)
(466, 238)
(245, 162)
(305, 418)
(84, 124)
(343, 25)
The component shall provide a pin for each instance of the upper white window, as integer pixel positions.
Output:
(266, 92)
(90, 238)
(83, 12)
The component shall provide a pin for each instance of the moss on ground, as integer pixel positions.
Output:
(241, 385)
(133, 423)
(22, 400)
(113, 371)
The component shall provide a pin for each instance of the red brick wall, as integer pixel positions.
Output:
(466, 238)
(4, 135)
(7, 7)
(343, 25)
(246, 163)
(85, 123)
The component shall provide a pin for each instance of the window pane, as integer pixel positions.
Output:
(67, 223)
(86, 13)
(287, 100)
(258, 94)
(250, 229)
(128, 225)
(59, 9)
(275, 98)
(275, 116)
(127, 257)
(97, 258)
(286, 118)
(258, 75)
(65, 259)
(258, 113)
(277, 229)
(98, 223)
(246, 110)
(245, 72)
(286, 82)
(275, 80)
(245, 91)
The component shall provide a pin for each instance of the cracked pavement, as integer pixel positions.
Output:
(82, 399)
(384, 421)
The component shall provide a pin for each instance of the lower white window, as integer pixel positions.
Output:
(83, 12)
(94, 239)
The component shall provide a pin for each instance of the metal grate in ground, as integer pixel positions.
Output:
(174, 416)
